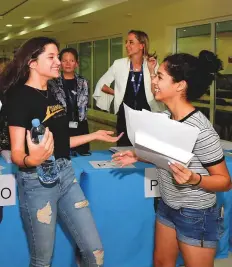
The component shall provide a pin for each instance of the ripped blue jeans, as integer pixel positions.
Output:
(41, 204)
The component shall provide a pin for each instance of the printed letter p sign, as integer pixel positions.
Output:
(7, 190)
(151, 184)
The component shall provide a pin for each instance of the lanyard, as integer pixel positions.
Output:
(136, 88)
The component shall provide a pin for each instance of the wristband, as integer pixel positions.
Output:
(199, 180)
(24, 161)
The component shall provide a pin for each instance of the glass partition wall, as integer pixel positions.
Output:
(95, 57)
(216, 103)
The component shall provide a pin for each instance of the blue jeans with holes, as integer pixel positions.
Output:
(41, 204)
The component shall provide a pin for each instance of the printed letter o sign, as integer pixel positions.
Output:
(7, 190)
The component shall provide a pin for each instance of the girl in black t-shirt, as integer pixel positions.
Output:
(25, 82)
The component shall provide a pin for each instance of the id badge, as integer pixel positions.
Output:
(73, 124)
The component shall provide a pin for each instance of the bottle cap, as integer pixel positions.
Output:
(35, 122)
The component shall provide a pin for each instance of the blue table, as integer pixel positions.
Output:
(124, 217)
(225, 244)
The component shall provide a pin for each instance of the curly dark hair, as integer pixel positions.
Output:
(198, 72)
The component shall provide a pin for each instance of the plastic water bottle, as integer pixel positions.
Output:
(47, 171)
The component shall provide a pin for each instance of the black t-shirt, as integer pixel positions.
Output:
(70, 89)
(26, 103)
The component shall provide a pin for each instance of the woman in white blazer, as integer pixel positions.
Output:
(132, 77)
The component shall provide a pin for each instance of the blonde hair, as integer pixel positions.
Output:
(143, 38)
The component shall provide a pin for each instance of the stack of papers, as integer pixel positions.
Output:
(158, 139)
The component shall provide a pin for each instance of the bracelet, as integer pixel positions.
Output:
(199, 180)
(24, 161)
(153, 75)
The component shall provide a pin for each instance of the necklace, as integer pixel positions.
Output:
(44, 94)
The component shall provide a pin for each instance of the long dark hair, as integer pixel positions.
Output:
(17, 71)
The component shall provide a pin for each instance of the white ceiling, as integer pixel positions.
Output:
(47, 16)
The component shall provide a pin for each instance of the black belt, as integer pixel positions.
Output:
(27, 169)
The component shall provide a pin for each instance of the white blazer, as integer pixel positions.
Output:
(119, 72)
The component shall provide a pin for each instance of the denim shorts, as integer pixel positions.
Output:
(200, 228)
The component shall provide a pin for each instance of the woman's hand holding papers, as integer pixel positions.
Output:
(125, 158)
(183, 175)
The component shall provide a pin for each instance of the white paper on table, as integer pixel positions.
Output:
(107, 164)
(7, 190)
(151, 184)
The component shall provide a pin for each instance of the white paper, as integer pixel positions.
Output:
(169, 131)
(107, 164)
(158, 139)
(160, 149)
(163, 115)
(7, 190)
(151, 184)
(132, 125)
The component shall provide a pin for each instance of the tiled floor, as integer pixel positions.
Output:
(224, 262)
(94, 126)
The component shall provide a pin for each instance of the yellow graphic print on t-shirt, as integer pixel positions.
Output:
(52, 110)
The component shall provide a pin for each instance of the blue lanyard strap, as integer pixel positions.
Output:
(136, 88)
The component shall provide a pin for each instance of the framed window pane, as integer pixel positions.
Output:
(223, 115)
(115, 53)
(192, 40)
(85, 64)
(100, 62)
(115, 49)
